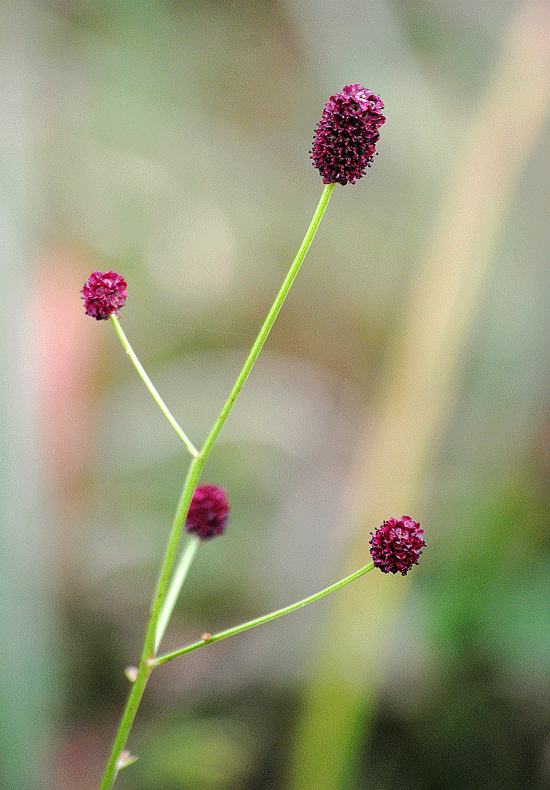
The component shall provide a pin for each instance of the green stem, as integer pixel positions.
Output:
(148, 649)
(266, 618)
(272, 315)
(146, 662)
(128, 716)
(151, 387)
(178, 578)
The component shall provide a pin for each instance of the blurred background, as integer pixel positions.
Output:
(408, 373)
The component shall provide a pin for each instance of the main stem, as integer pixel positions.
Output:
(193, 474)
(138, 687)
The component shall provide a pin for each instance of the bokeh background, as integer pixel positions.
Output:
(408, 372)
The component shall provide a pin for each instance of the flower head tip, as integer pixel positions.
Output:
(396, 545)
(346, 136)
(104, 293)
(208, 512)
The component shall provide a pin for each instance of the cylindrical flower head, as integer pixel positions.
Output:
(346, 136)
(397, 545)
(104, 293)
(208, 512)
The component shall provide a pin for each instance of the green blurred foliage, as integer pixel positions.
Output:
(169, 141)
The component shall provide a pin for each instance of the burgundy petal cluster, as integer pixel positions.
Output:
(346, 136)
(208, 512)
(397, 545)
(104, 293)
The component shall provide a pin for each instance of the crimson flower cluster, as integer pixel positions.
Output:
(104, 293)
(208, 512)
(346, 136)
(396, 545)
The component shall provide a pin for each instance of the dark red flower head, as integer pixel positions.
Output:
(207, 516)
(345, 138)
(103, 294)
(397, 545)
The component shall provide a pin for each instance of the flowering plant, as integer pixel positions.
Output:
(343, 148)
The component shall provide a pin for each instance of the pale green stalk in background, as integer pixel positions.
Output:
(417, 395)
(28, 689)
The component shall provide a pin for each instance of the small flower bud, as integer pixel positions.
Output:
(208, 512)
(131, 673)
(396, 545)
(104, 293)
(125, 759)
(346, 136)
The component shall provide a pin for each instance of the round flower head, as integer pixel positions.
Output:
(345, 138)
(104, 293)
(397, 545)
(208, 512)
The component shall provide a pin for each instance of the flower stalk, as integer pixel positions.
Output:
(176, 583)
(270, 320)
(151, 387)
(266, 618)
